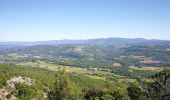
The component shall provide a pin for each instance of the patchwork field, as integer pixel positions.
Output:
(83, 71)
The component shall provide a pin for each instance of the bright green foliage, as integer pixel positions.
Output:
(24, 91)
(2, 82)
(117, 90)
(84, 81)
(63, 89)
(44, 79)
(110, 91)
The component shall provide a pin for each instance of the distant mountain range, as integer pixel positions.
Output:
(99, 41)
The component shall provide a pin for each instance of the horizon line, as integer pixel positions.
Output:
(80, 39)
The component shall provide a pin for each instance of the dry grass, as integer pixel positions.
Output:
(146, 68)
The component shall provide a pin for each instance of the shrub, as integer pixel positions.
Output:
(24, 91)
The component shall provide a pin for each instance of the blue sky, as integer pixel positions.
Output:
(39, 20)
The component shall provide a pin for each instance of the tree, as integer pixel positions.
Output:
(93, 93)
(160, 87)
(135, 92)
(63, 88)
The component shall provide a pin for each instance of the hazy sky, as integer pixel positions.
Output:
(35, 20)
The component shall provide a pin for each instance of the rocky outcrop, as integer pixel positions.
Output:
(5, 92)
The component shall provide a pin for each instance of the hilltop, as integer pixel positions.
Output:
(98, 41)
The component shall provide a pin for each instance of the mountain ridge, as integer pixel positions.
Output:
(97, 41)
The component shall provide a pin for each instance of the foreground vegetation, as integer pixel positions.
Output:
(44, 78)
(60, 85)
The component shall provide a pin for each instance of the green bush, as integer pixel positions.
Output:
(2, 82)
(24, 91)
(63, 88)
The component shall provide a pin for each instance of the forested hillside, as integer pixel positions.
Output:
(90, 55)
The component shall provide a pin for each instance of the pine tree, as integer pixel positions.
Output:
(63, 89)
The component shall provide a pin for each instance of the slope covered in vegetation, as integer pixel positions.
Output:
(61, 85)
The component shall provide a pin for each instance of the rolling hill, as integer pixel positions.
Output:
(99, 41)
